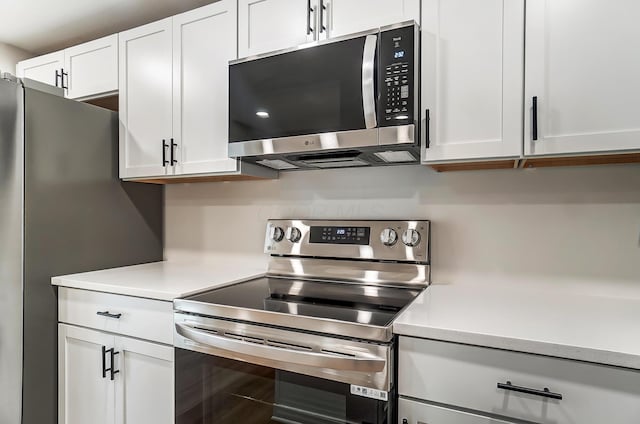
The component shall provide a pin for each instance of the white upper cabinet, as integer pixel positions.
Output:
(582, 67)
(145, 100)
(47, 68)
(344, 17)
(92, 68)
(472, 79)
(85, 71)
(267, 25)
(204, 41)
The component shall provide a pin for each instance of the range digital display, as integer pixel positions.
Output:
(340, 235)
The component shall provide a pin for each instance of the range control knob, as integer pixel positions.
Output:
(293, 234)
(411, 237)
(388, 237)
(276, 234)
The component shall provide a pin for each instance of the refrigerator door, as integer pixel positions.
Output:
(11, 224)
(78, 217)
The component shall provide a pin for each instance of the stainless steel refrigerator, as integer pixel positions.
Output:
(62, 210)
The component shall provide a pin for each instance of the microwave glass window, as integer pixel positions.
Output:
(309, 91)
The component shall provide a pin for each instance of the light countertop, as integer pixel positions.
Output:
(166, 280)
(589, 328)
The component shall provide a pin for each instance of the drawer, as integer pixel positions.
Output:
(143, 318)
(468, 377)
(423, 413)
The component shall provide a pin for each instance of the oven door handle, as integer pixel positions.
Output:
(360, 363)
(368, 83)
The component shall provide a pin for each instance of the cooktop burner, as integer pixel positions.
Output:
(351, 302)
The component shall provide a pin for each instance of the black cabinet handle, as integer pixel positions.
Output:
(534, 118)
(544, 392)
(309, 10)
(111, 369)
(165, 146)
(427, 120)
(108, 314)
(322, 9)
(104, 362)
(173, 152)
(58, 75)
(62, 75)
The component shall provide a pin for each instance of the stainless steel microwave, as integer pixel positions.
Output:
(350, 101)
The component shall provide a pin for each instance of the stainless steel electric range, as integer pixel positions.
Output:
(311, 341)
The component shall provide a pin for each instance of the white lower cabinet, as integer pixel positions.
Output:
(412, 412)
(107, 372)
(513, 385)
(85, 395)
(144, 387)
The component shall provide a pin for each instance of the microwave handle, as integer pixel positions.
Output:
(368, 83)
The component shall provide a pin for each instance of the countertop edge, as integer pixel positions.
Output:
(579, 353)
(147, 293)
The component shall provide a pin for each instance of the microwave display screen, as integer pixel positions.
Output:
(340, 235)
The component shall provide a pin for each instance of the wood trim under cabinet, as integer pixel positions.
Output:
(109, 102)
(625, 158)
(475, 166)
(203, 179)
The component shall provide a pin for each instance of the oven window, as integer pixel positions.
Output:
(210, 389)
(308, 91)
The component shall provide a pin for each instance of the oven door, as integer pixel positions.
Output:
(229, 372)
(283, 103)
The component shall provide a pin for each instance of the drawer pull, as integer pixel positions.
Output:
(108, 314)
(544, 392)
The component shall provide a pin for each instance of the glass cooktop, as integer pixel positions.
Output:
(350, 302)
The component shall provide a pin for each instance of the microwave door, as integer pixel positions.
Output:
(284, 102)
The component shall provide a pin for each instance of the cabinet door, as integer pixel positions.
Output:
(144, 385)
(267, 25)
(582, 65)
(145, 100)
(472, 79)
(84, 395)
(43, 68)
(424, 413)
(350, 16)
(201, 87)
(92, 68)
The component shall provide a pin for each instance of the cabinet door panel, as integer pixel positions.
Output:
(92, 67)
(145, 70)
(85, 396)
(350, 16)
(201, 81)
(582, 64)
(472, 76)
(267, 25)
(145, 382)
(42, 68)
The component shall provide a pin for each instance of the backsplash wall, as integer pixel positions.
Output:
(574, 229)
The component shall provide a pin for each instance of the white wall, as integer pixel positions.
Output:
(10, 56)
(569, 228)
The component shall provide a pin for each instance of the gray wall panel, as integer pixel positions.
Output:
(79, 217)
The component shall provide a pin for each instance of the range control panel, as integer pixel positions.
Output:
(396, 76)
(339, 235)
(373, 240)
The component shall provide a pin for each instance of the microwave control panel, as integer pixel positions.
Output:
(396, 76)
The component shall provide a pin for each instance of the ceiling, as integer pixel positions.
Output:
(43, 26)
